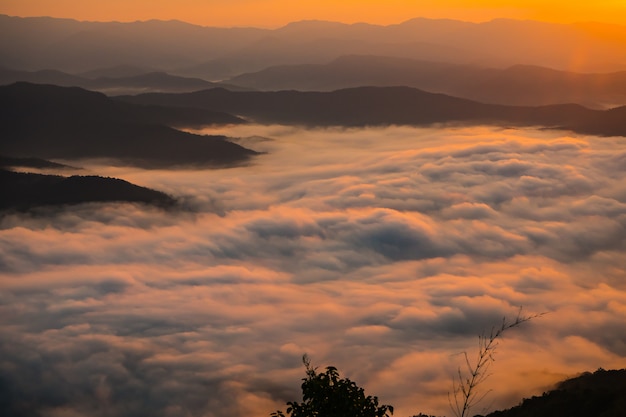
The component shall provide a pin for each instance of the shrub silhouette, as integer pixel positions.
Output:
(327, 395)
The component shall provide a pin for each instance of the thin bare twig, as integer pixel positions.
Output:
(465, 393)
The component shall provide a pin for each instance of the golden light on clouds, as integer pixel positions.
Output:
(294, 255)
(274, 13)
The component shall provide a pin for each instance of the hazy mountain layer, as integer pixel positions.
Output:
(74, 46)
(8, 162)
(218, 53)
(58, 122)
(114, 83)
(386, 106)
(517, 85)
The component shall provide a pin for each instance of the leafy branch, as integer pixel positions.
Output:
(326, 394)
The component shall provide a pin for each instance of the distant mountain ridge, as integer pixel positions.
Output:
(74, 46)
(155, 81)
(516, 85)
(219, 53)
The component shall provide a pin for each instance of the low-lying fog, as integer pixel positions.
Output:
(383, 252)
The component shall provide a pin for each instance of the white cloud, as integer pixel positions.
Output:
(383, 252)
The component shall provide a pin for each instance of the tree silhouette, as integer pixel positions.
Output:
(327, 395)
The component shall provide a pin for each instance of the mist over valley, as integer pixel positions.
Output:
(188, 210)
(383, 251)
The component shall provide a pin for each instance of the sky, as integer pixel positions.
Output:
(276, 13)
(384, 252)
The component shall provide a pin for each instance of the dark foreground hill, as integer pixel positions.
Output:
(598, 394)
(23, 191)
(369, 106)
(51, 122)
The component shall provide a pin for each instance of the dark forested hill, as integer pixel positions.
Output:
(23, 191)
(388, 105)
(61, 122)
(598, 394)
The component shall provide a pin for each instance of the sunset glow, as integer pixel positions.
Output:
(197, 195)
(275, 13)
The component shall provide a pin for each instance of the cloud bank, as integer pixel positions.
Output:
(384, 252)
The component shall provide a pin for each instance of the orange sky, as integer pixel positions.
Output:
(275, 13)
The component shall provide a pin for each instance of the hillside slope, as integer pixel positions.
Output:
(598, 394)
(68, 123)
(370, 106)
(23, 191)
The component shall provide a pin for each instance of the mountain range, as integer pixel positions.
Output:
(113, 81)
(161, 76)
(517, 85)
(524, 85)
(218, 53)
(503, 61)
(370, 106)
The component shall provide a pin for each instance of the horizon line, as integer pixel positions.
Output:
(476, 22)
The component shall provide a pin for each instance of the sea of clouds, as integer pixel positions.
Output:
(384, 252)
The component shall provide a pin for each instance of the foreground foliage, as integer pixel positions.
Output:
(327, 395)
